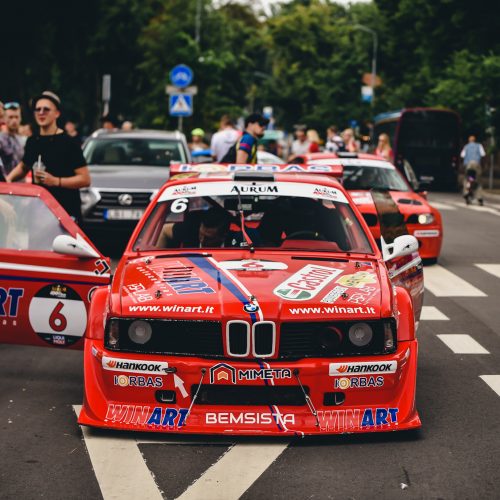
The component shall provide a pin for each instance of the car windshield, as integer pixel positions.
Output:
(26, 223)
(367, 177)
(134, 151)
(228, 214)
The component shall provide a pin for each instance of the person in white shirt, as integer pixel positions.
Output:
(223, 139)
(301, 145)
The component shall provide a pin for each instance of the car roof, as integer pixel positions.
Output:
(136, 134)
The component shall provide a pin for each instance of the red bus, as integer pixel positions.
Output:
(428, 139)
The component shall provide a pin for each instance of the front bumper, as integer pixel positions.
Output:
(430, 239)
(386, 404)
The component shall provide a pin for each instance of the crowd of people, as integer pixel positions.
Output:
(305, 141)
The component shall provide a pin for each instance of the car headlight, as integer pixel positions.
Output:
(425, 219)
(113, 333)
(360, 334)
(140, 332)
(389, 338)
(89, 198)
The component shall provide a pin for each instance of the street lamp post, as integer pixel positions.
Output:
(362, 27)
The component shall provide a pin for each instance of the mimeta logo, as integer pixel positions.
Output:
(366, 368)
(223, 372)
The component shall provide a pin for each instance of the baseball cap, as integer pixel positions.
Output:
(256, 117)
(198, 131)
(47, 94)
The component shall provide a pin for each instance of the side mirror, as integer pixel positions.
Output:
(402, 245)
(68, 245)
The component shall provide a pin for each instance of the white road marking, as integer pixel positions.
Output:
(443, 283)
(478, 208)
(441, 206)
(235, 472)
(493, 381)
(433, 313)
(122, 473)
(490, 268)
(119, 467)
(463, 344)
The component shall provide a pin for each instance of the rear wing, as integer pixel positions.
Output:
(324, 169)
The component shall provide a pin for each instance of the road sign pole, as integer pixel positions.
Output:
(179, 124)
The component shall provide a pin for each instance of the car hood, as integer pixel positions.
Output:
(226, 287)
(408, 202)
(128, 177)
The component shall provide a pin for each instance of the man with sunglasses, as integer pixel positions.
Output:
(11, 143)
(65, 167)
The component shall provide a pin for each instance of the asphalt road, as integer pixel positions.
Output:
(44, 454)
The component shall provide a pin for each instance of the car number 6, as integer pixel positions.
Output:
(179, 205)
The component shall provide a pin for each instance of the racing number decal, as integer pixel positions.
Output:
(179, 205)
(58, 315)
(57, 321)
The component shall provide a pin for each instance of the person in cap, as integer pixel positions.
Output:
(55, 160)
(255, 126)
(197, 143)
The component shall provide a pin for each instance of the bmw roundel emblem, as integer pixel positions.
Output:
(251, 308)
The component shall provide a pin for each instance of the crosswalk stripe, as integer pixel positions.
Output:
(443, 283)
(432, 313)
(463, 344)
(493, 381)
(477, 208)
(441, 206)
(235, 472)
(493, 269)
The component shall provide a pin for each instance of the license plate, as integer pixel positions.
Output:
(123, 214)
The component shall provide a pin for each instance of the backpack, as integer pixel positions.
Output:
(230, 156)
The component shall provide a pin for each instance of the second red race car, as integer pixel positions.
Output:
(365, 174)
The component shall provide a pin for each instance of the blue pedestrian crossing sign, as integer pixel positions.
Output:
(180, 105)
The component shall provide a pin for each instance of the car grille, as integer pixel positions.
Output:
(182, 338)
(264, 395)
(109, 199)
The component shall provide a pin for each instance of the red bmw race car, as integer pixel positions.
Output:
(252, 300)
(364, 173)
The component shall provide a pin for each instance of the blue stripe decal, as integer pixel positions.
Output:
(49, 280)
(266, 382)
(214, 272)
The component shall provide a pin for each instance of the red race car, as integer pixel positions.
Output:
(253, 300)
(364, 174)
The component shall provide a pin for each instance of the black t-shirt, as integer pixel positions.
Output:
(61, 156)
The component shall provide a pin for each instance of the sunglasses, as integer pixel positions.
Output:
(43, 110)
(11, 105)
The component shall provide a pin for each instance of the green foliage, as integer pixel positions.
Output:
(306, 60)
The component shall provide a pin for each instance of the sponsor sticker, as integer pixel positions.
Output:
(222, 372)
(10, 298)
(249, 418)
(134, 365)
(137, 381)
(306, 283)
(58, 315)
(365, 367)
(146, 416)
(183, 280)
(252, 265)
(352, 420)
(426, 233)
(358, 382)
(334, 294)
(357, 280)
(362, 295)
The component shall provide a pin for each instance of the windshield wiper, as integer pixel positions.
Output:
(242, 221)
